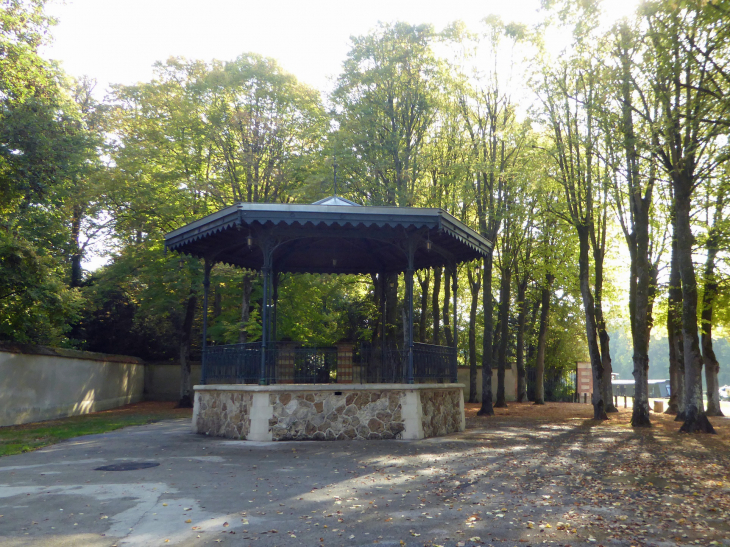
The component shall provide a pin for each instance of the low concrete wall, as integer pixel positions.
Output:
(328, 412)
(510, 382)
(38, 383)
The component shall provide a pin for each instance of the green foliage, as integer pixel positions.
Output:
(44, 147)
(384, 107)
(35, 304)
(321, 311)
(417, 118)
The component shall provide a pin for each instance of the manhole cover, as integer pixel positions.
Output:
(128, 466)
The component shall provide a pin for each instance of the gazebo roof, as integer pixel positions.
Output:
(331, 236)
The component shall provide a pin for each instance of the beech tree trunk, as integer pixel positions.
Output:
(640, 321)
(520, 349)
(487, 409)
(712, 367)
(425, 283)
(447, 301)
(76, 271)
(604, 341)
(542, 341)
(246, 288)
(532, 347)
(674, 335)
(391, 308)
(475, 283)
(186, 388)
(695, 419)
(435, 305)
(599, 407)
(603, 338)
(504, 302)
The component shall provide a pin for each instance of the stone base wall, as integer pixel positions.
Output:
(329, 412)
(442, 411)
(223, 413)
(327, 415)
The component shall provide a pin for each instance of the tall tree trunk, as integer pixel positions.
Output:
(447, 300)
(640, 321)
(246, 288)
(712, 367)
(643, 275)
(186, 388)
(424, 282)
(487, 409)
(542, 341)
(217, 302)
(76, 271)
(377, 280)
(604, 343)
(391, 309)
(599, 410)
(497, 336)
(521, 320)
(504, 305)
(475, 283)
(695, 418)
(435, 305)
(533, 322)
(674, 335)
(603, 338)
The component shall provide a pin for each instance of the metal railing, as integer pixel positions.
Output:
(315, 365)
(287, 363)
(432, 362)
(233, 364)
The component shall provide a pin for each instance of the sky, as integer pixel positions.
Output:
(117, 41)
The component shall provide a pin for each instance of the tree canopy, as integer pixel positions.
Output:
(600, 174)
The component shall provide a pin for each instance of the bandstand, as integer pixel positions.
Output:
(273, 390)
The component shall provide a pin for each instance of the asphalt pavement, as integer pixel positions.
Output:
(159, 484)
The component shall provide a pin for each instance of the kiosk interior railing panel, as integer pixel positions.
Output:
(289, 363)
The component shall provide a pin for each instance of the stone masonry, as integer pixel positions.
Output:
(224, 413)
(328, 412)
(441, 412)
(326, 415)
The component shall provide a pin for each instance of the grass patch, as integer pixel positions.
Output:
(17, 439)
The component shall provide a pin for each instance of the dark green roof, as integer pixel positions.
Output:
(329, 238)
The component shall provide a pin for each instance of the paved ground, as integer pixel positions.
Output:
(515, 479)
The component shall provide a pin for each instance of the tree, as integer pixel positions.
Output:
(568, 94)
(688, 86)
(633, 186)
(42, 149)
(384, 107)
(716, 220)
(199, 137)
(496, 142)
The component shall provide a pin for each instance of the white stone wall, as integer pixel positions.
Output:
(59, 383)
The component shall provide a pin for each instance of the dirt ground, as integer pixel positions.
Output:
(643, 486)
(582, 414)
